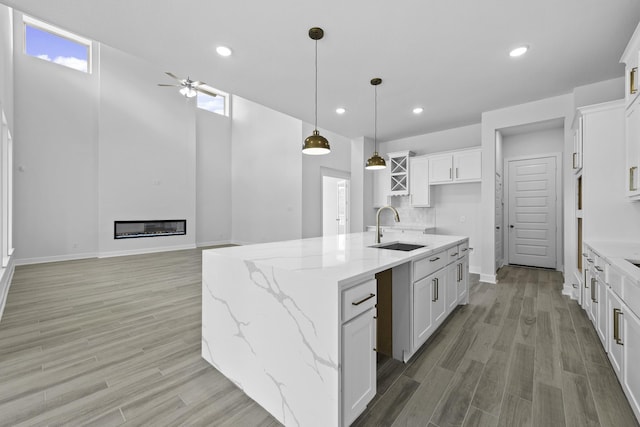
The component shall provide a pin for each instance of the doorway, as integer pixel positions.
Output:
(335, 203)
(532, 210)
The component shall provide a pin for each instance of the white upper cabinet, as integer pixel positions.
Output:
(632, 124)
(630, 58)
(398, 165)
(456, 166)
(467, 166)
(419, 181)
(576, 160)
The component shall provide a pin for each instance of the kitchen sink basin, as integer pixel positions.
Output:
(398, 246)
(634, 262)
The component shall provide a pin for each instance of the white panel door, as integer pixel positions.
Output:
(532, 212)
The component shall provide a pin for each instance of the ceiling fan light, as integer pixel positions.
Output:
(375, 162)
(189, 92)
(316, 144)
(223, 51)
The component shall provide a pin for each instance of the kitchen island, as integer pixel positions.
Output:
(293, 323)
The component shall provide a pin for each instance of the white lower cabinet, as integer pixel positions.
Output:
(358, 365)
(463, 283)
(439, 306)
(614, 345)
(453, 279)
(423, 291)
(630, 355)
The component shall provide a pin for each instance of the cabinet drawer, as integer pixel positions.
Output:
(358, 299)
(453, 254)
(463, 249)
(425, 266)
(615, 280)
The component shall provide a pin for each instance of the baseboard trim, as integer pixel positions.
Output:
(57, 258)
(488, 278)
(214, 243)
(568, 290)
(5, 283)
(145, 251)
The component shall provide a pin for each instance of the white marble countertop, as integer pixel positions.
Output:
(617, 254)
(338, 259)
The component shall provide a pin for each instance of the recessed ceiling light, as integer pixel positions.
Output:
(223, 51)
(340, 110)
(418, 110)
(519, 51)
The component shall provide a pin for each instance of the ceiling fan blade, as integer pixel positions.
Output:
(206, 92)
(173, 75)
(197, 83)
(162, 84)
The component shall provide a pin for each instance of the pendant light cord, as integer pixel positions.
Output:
(375, 119)
(316, 112)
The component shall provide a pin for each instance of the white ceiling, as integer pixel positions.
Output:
(450, 57)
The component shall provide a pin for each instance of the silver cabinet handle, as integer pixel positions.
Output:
(616, 325)
(363, 299)
(450, 173)
(456, 254)
(466, 249)
(599, 268)
(574, 160)
(632, 80)
(434, 259)
(456, 173)
(631, 180)
(434, 283)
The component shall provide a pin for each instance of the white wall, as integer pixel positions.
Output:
(533, 143)
(454, 207)
(339, 159)
(56, 137)
(266, 174)
(329, 205)
(213, 183)
(6, 106)
(532, 112)
(147, 154)
(6, 63)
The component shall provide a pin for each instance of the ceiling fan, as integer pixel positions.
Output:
(188, 87)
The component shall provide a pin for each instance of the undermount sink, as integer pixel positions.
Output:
(634, 262)
(398, 246)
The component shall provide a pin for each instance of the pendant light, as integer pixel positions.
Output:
(316, 144)
(375, 162)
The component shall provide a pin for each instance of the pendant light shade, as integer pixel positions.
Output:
(316, 144)
(375, 162)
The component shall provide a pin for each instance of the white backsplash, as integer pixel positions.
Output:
(423, 217)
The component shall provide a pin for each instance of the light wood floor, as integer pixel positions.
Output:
(116, 341)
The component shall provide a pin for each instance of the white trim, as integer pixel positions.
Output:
(56, 258)
(560, 195)
(145, 251)
(242, 242)
(214, 243)
(5, 284)
(488, 278)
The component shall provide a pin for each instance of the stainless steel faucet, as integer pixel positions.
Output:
(396, 217)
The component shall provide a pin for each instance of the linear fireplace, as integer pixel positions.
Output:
(156, 228)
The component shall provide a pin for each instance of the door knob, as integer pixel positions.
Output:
(497, 228)
(510, 226)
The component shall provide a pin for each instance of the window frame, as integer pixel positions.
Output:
(219, 93)
(59, 32)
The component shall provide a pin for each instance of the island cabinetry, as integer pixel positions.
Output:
(630, 329)
(423, 290)
(358, 349)
(456, 166)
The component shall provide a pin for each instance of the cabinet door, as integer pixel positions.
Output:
(632, 123)
(586, 303)
(381, 187)
(603, 319)
(453, 278)
(463, 284)
(358, 365)
(440, 169)
(614, 345)
(577, 147)
(631, 355)
(593, 309)
(423, 294)
(419, 181)
(438, 302)
(467, 166)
